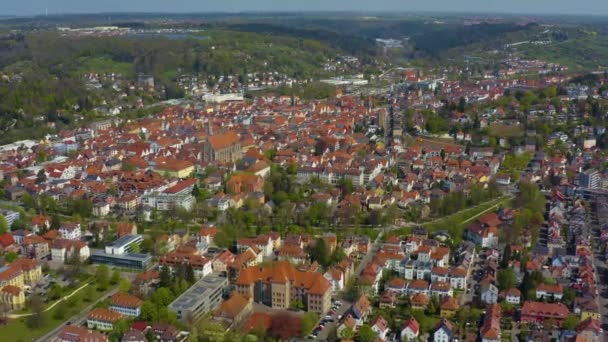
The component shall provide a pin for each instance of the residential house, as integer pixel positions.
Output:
(550, 291)
(13, 297)
(62, 250)
(126, 304)
(489, 293)
(448, 307)
(410, 330)
(490, 330)
(70, 231)
(234, 310)
(73, 333)
(538, 312)
(103, 319)
(443, 331)
(512, 296)
(380, 327)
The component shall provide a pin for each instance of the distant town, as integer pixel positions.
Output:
(414, 203)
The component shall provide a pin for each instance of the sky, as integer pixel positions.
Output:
(33, 7)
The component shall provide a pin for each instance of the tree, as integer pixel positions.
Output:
(309, 319)
(165, 276)
(3, 225)
(320, 253)
(569, 296)
(120, 327)
(148, 312)
(115, 277)
(162, 297)
(40, 176)
(55, 222)
(89, 294)
(347, 334)
(506, 278)
(36, 306)
(10, 256)
(124, 285)
(366, 334)
(190, 274)
(60, 311)
(571, 322)
(102, 276)
(55, 292)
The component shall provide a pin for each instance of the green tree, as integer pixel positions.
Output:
(506, 278)
(3, 225)
(120, 327)
(320, 253)
(347, 334)
(41, 176)
(60, 311)
(55, 292)
(102, 277)
(162, 297)
(36, 305)
(190, 277)
(10, 256)
(115, 277)
(165, 276)
(89, 294)
(148, 312)
(571, 322)
(309, 319)
(124, 285)
(366, 334)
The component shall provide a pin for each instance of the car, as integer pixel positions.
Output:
(339, 317)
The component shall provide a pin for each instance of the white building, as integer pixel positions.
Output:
(70, 231)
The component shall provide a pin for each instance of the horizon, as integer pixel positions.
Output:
(33, 8)
(386, 13)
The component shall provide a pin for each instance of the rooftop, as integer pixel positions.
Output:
(198, 292)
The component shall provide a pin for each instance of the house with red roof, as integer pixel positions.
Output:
(380, 327)
(538, 312)
(410, 330)
(285, 284)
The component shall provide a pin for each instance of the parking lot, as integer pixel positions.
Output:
(328, 322)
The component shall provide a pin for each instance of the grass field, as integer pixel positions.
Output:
(17, 330)
(506, 131)
(456, 223)
(103, 65)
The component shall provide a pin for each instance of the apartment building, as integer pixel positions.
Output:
(281, 283)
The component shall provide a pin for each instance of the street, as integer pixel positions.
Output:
(77, 319)
(600, 269)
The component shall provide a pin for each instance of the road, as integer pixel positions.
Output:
(600, 269)
(77, 319)
(469, 292)
(368, 256)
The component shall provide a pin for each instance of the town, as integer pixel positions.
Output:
(414, 204)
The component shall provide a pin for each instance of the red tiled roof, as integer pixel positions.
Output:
(104, 315)
(126, 300)
(6, 239)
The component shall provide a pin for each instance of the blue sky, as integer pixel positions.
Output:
(29, 7)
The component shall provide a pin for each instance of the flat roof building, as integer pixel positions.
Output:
(201, 298)
(119, 254)
(124, 244)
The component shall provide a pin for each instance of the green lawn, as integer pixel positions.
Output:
(17, 330)
(456, 223)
